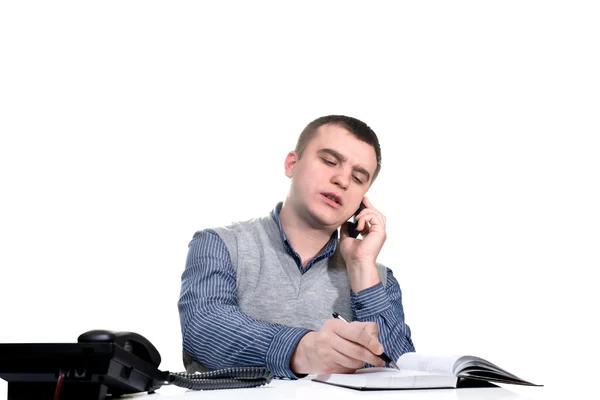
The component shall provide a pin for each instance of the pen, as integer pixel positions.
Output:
(383, 356)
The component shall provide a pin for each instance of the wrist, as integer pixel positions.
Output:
(299, 363)
(362, 275)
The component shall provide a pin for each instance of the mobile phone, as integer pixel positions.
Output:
(352, 224)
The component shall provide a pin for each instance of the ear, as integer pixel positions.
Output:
(290, 162)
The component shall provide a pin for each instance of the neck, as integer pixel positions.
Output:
(306, 240)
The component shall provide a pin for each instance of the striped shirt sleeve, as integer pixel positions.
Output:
(214, 330)
(384, 306)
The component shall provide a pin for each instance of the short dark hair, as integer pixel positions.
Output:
(355, 126)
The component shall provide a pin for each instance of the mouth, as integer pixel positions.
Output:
(332, 199)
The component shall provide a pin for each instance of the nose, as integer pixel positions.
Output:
(341, 179)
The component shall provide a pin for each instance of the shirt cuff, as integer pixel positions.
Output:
(370, 302)
(281, 349)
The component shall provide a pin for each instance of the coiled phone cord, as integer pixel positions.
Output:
(226, 378)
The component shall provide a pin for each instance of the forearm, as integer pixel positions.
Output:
(384, 307)
(223, 336)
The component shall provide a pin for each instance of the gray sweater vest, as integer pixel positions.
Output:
(270, 286)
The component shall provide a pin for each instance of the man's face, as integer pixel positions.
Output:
(331, 178)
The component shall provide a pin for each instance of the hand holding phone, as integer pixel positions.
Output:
(353, 224)
(360, 256)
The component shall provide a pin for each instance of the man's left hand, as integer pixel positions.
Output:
(361, 255)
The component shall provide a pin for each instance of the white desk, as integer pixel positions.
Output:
(307, 389)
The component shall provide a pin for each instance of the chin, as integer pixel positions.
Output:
(320, 218)
(328, 222)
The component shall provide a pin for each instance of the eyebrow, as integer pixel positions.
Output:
(341, 158)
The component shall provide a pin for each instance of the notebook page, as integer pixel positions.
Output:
(429, 363)
(471, 361)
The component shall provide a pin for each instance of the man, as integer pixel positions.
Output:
(262, 291)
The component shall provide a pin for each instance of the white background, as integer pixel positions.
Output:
(127, 126)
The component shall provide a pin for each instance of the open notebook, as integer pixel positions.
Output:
(427, 371)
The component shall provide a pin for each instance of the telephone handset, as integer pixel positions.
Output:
(129, 341)
(352, 224)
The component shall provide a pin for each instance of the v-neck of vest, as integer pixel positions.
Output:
(299, 280)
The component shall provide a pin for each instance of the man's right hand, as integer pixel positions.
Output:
(338, 347)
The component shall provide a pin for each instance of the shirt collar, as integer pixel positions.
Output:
(327, 251)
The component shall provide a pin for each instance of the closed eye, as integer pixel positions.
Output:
(333, 164)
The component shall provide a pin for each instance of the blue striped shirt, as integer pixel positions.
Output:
(215, 331)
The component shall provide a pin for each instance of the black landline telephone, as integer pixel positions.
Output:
(105, 363)
(352, 224)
